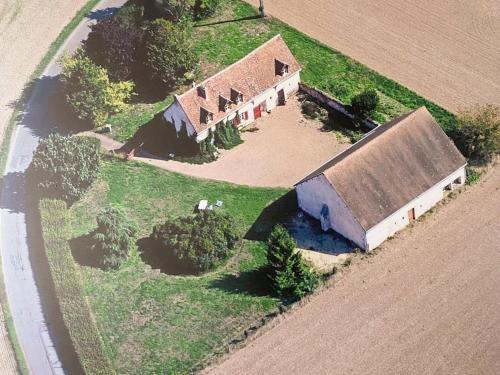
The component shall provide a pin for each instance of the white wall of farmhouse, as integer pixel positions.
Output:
(316, 192)
(174, 114)
(400, 219)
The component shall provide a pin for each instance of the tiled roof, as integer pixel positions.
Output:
(250, 76)
(391, 166)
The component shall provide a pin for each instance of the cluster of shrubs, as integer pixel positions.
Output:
(146, 45)
(226, 136)
(198, 242)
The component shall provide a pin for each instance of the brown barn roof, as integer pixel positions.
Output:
(250, 76)
(391, 166)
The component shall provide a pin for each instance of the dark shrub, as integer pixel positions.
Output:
(200, 242)
(172, 10)
(477, 134)
(168, 54)
(313, 110)
(65, 167)
(363, 105)
(113, 44)
(205, 8)
(114, 237)
(132, 14)
(227, 136)
(292, 278)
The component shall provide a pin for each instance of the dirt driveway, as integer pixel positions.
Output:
(428, 303)
(447, 50)
(284, 149)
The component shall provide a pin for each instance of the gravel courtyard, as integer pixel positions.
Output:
(284, 149)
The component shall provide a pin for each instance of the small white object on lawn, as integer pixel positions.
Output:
(202, 205)
(219, 203)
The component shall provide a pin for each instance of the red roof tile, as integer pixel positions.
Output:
(251, 76)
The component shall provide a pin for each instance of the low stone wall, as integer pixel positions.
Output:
(332, 103)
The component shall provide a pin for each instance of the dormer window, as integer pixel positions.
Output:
(206, 116)
(236, 96)
(224, 104)
(281, 68)
(202, 92)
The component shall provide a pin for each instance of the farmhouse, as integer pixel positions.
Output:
(239, 94)
(382, 183)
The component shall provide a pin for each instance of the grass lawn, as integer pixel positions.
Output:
(154, 323)
(219, 43)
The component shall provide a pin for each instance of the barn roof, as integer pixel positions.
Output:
(390, 166)
(250, 76)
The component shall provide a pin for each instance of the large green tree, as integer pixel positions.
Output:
(169, 54)
(198, 242)
(478, 132)
(291, 277)
(65, 167)
(114, 238)
(89, 91)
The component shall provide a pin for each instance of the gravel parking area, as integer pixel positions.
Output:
(283, 149)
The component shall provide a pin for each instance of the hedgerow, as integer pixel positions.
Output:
(69, 290)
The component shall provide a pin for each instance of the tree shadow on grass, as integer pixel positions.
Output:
(153, 254)
(250, 282)
(81, 248)
(278, 212)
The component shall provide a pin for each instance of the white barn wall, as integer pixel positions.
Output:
(399, 220)
(311, 196)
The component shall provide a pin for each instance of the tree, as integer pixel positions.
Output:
(88, 89)
(199, 242)
(173, 10)
(65, 167)
(169, 54)
(290, 275)
(132, 14)
(226, 135)
(205, 8)
(114, 237)
(113, 44)
(364, 104)
(477, 134)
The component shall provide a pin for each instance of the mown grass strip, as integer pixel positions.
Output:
(4, 152)
(69, 289)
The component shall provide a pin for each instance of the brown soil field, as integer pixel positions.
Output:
(27, 28)
(426, 303)
(447, 51)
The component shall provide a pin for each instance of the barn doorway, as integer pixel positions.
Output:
(281, 97)
(411, 215)
(257, 113)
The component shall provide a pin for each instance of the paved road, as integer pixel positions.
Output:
(21, 277)
(427, 303)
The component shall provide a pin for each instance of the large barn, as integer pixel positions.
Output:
(382, 183)
(239, 94)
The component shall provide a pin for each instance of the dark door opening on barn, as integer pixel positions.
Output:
(281, 97)
(411, 215)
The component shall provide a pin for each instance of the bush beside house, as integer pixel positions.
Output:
(364, 104)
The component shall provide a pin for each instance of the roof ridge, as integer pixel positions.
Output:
(369, 138)
(277, 36)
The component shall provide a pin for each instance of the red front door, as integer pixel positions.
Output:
(257, 112)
